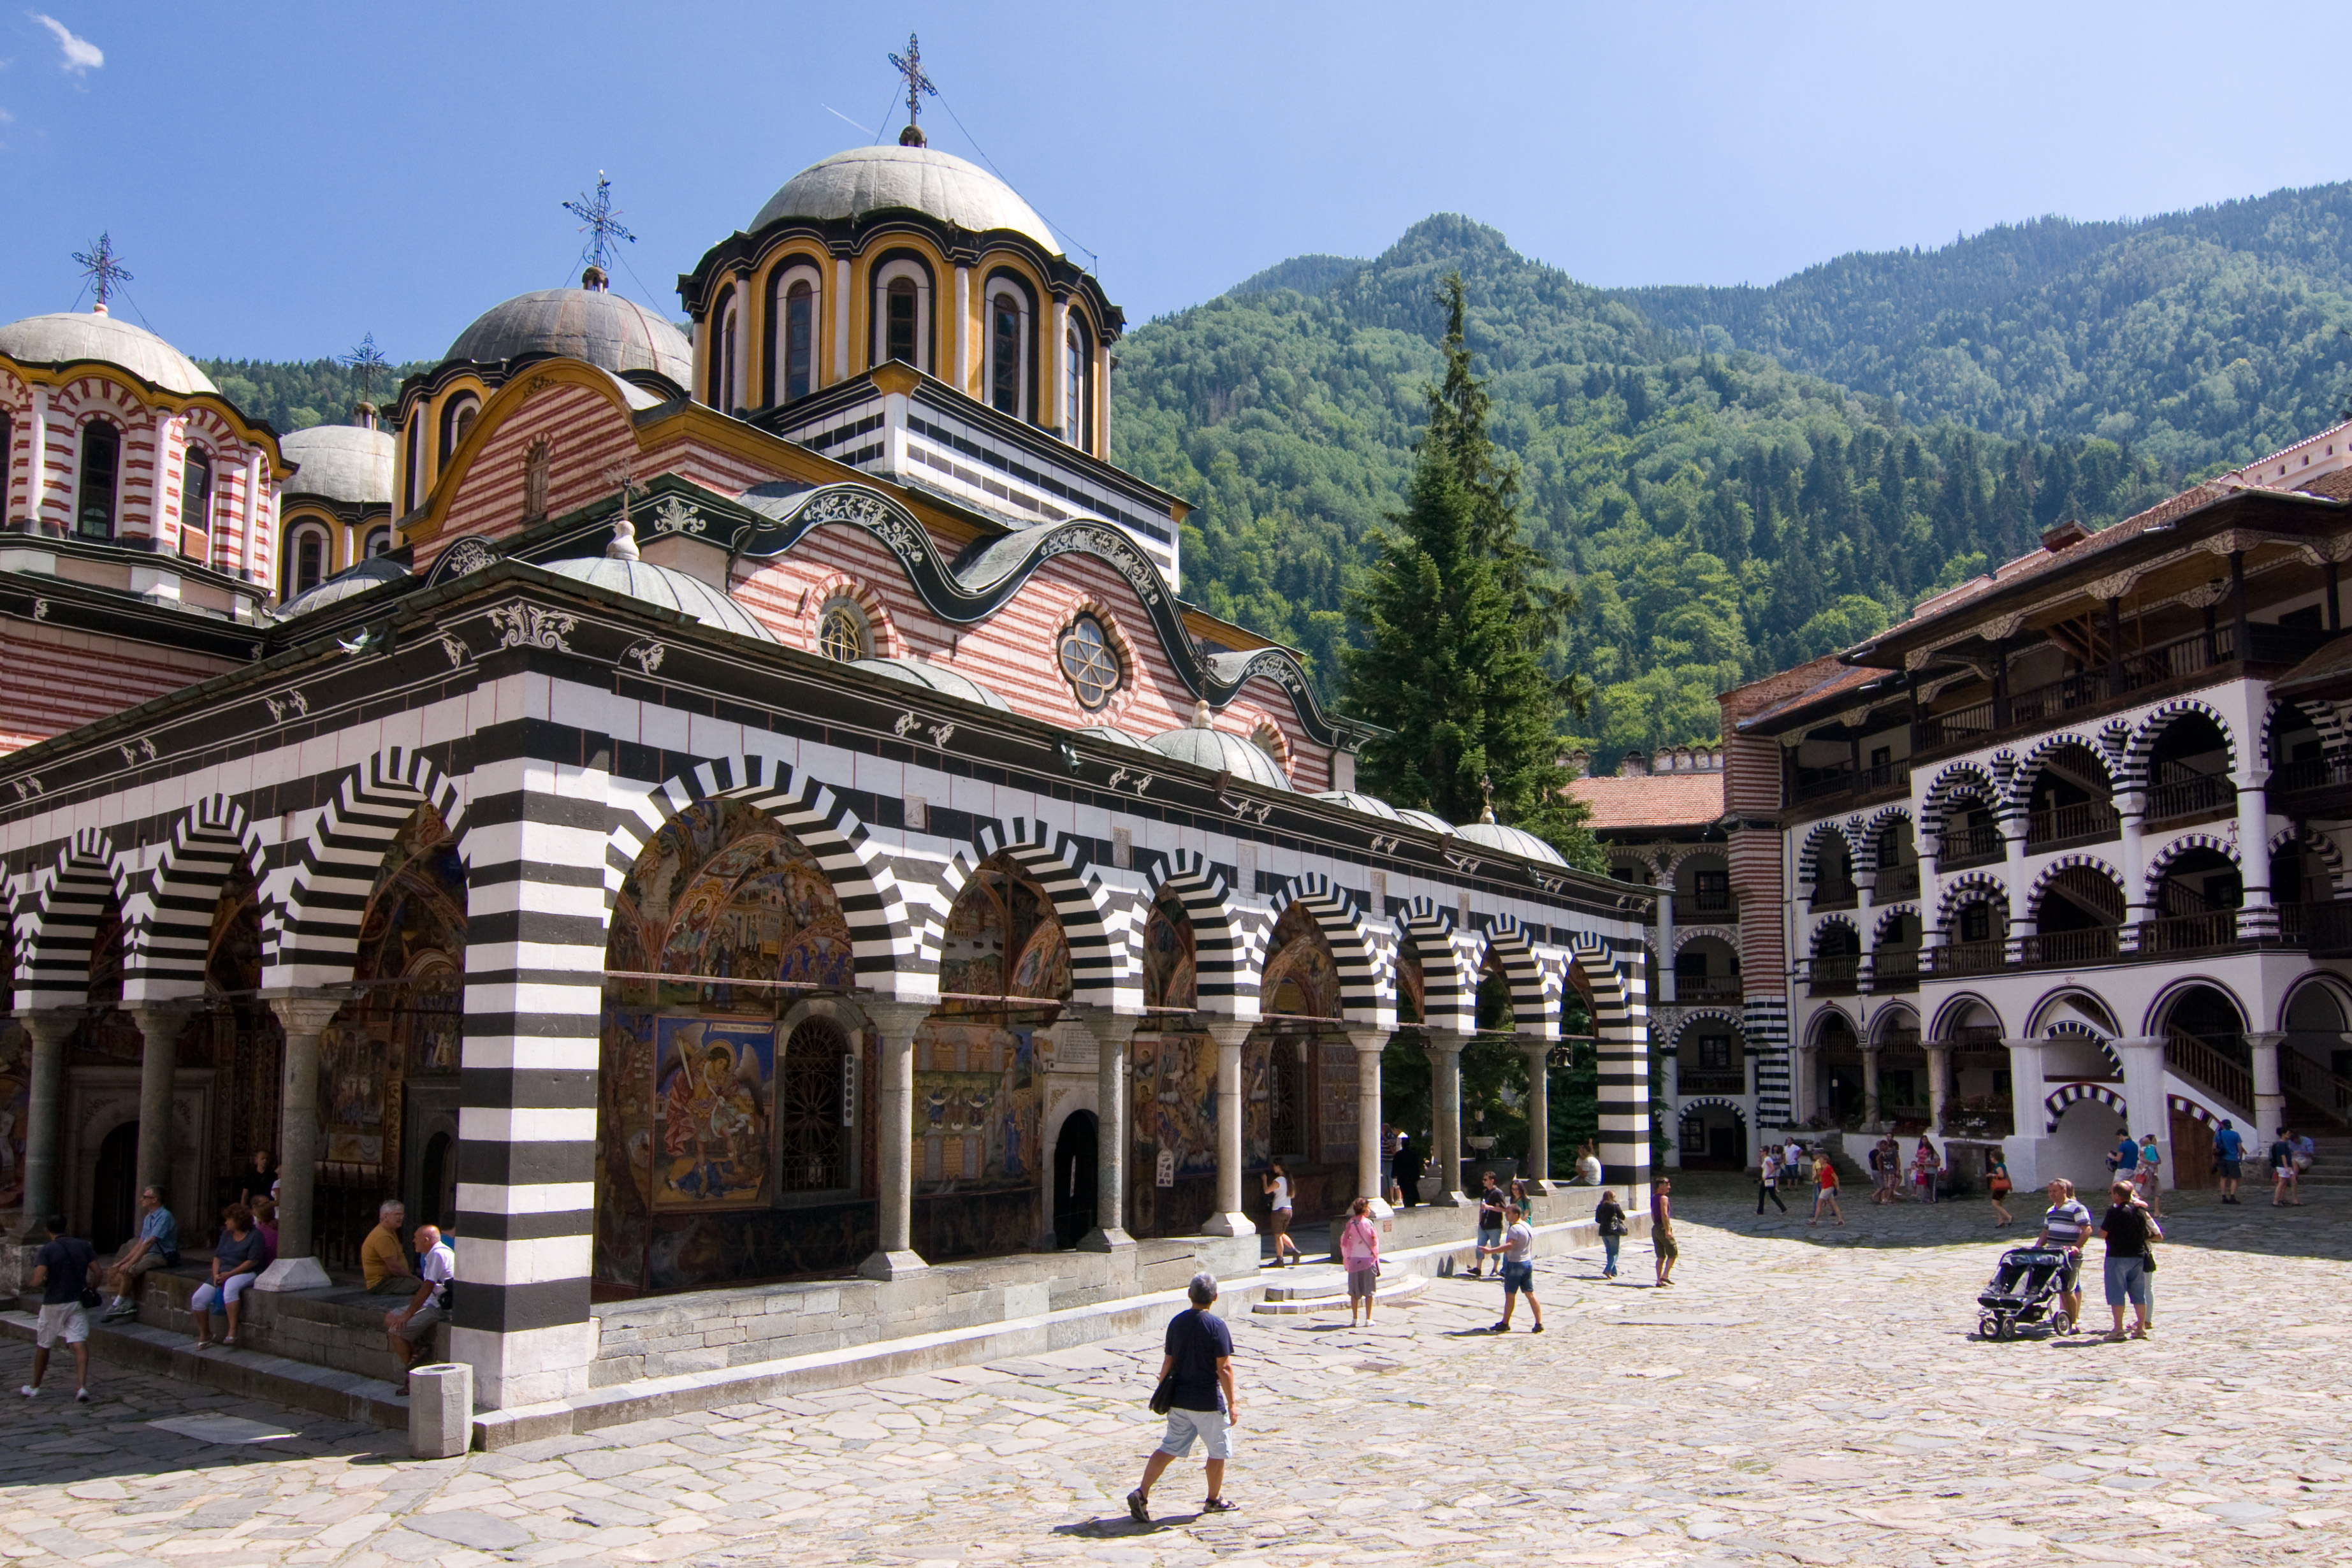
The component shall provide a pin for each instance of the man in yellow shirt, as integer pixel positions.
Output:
(382, 1257)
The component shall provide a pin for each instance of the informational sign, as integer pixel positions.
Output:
(1164, 1169)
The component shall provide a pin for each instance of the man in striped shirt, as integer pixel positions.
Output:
(2065, 1226)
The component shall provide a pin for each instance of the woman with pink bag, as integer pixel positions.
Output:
(1360, 1253)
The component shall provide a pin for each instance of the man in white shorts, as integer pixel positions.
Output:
(1198, 1367)
(61, 1273)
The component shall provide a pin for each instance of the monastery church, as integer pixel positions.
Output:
(741, 825)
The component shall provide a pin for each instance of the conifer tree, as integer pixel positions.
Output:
(1454, 614)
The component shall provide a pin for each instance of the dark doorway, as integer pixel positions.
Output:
(114, 1191)
(1074, 1179)
(438, 1197)
(1726, 1147)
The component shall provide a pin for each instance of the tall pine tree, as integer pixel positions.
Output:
(1453, 615)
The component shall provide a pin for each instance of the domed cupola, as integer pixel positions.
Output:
(1219, 752)
(349, 464)
(620, 570)
(1511, 840)
(70, 335)
(866, 181)
(590, 324)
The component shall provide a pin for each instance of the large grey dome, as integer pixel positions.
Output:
(1221, 752)
(878, 179)
(592, 324)
(660, 585)
(1370, 805)
(347, 463)
(1510, 840)
(77, 334)
(938, 678)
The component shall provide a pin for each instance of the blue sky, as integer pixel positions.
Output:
(283, 178)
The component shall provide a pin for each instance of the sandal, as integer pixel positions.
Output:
(1218, 1505)
(1138, 1509)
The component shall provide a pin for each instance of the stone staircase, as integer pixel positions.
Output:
(1291, 1291)
(2332, 1167)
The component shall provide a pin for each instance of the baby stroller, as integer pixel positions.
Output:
(2022, 1290)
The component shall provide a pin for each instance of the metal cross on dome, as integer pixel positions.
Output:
(102, 267)
(599, 222)
(917, 84)
(369, 360)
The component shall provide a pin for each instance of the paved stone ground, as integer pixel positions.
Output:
(1806, 1394)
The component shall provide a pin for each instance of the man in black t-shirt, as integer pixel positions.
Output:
(1198, 1367)
(1409, 1163)
(61, 1273)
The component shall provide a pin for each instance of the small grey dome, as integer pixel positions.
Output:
(1429, 820)
(590, 324)
(919, 179)
(1117, 736)
(660, 585)
(938, 678)
(1368, 804)
(1510, 840)
(86, 334)
(347, 463)
(368, 576)
(1221, 752)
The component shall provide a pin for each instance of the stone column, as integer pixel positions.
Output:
(961, 317)
(2146, 1109)
(741, 390)
(841, 304)
(2257, 916)
(893, 1120)
(160, 1024)
(45, 1095)
(1056, 376)
(1538, 1171)
(1114, 1132)
(1804, 1093)
(2027, 1090)
(2270, 1094)
(2131, 859)
(1666, 993)
(1872, 1121)
(1229, 1219)
(252, 524)
(1939, 1078)
(1368, 1044)
(1445, 1051)
(303, 1017)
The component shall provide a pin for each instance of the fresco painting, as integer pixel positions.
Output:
(1302, 978)
(1171, 977)
(714, 1099)
(977, 1100)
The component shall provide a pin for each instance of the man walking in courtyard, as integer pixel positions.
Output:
(1519, 1255)
(2067, 1226)
(1491, 1199)
(1409, 1163)
(1768, 1181)
(1197, 1364)
(2284, 1178)
(61, 1273)
(1661, 1230)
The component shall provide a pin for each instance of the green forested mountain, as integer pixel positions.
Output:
(1718, 514)
(2201, 337)
(295, 395)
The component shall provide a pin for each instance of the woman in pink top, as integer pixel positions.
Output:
(1360, 1253)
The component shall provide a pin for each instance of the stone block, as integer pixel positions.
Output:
(441, 1410)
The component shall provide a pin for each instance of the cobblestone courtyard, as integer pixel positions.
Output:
(1799, 1394)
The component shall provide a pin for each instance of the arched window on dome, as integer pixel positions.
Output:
(1010, 343)
(379, 542)
(902, 311)
(842, 633)
(457, 418)
(791, 372)
(722, 356)
(306, 560)
(101, 467)
(196, 505)
(1078, 392)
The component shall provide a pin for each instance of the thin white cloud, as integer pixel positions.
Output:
(80, 54)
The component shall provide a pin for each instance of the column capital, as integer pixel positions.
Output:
(2262, 1038)
(1229, 1032)
(307, 1012)
(50, 1026)
(163, 1010)
(1103, 1023)
(1370, 1041)
(896, 1020)
(1443, 1042)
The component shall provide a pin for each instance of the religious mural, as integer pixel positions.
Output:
(1171, 978)
(724, 923)
(1301, 978)
(406, 1019)
(714, 1088)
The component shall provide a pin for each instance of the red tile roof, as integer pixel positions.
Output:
(1661, 800)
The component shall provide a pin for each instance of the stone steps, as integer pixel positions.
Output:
(301, 1386)
(1326, 1291)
